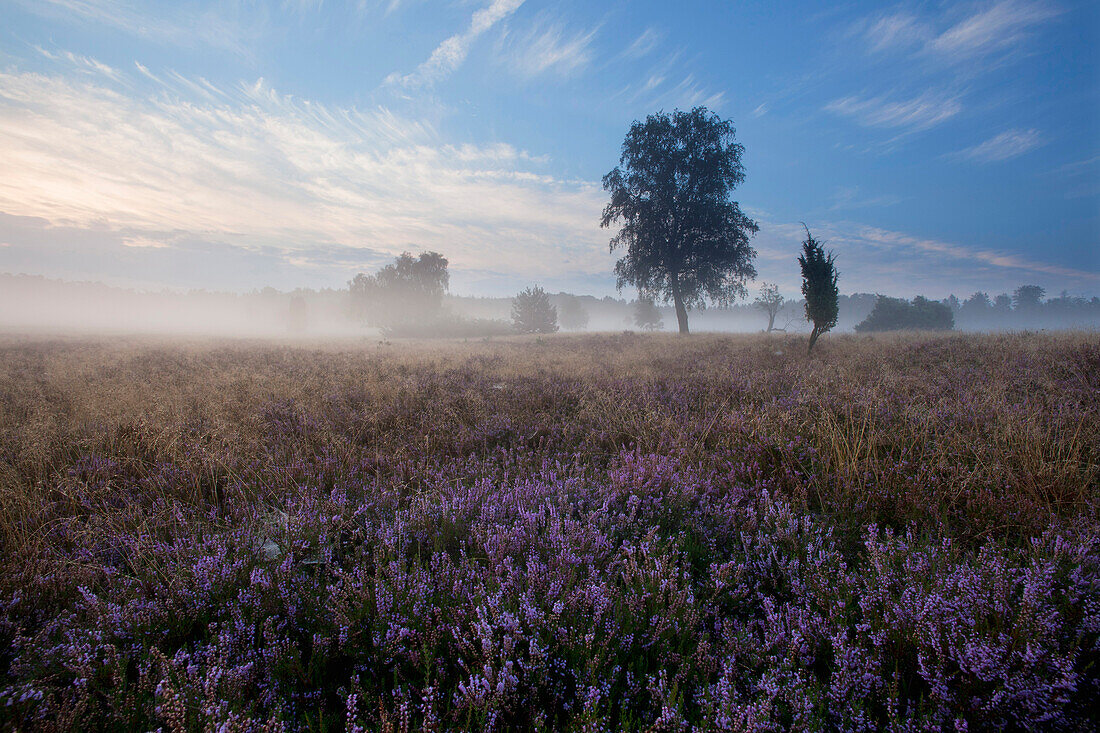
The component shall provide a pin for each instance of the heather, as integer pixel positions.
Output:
(630, 532)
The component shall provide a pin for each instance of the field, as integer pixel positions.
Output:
(592, 533)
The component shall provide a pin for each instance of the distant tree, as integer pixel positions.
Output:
(895, 314)
(410, 289)
(533, 313)
(819, 288)
(573, 314)
(977, 303)
(953, 303)
(1028, 297)
(932, 315)
(1002, 303)
(297, 315)
(769, 301)
(646, 315)
(685, 240)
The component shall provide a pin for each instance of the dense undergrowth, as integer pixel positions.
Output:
(591, 533)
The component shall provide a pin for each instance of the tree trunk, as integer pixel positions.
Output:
(771, 322)
(813, 339)
(681, 312)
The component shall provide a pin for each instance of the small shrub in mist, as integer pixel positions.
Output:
(532, 312)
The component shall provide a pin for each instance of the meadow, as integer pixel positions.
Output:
(601, 532)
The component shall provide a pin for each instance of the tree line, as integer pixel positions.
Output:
(684, 241)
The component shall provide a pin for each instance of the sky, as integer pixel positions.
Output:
(937, 147)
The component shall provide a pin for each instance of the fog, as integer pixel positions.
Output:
(37, 305)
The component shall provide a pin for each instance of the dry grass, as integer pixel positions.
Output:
(997, 429)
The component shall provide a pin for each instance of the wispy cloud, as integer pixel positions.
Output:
(180, 26)
(918, 113)
(548, 47)
(643, 45)
(246, 167)
(960, 34)
(849, 197)
(875, 259)
(450, 54)
(84, 63)
(894, 30)
(976, 255)
(669, 84)
(1003, 146)
(997, 26)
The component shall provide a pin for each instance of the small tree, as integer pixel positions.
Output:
(646, 315)
(573, 314)
(533, 313)
(769, 301)
(818, 287)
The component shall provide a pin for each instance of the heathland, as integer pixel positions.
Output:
(599, 532)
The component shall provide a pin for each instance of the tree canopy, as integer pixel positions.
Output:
(685, 240)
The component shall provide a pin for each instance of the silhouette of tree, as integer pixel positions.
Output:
(1002, 303)
(646, 315)
(685, 240)
(769, 301)
(977, 303)
(573, 314)
(410, 289)
(533, 313)
(819, 288)
(895, 314)
(1028, 297)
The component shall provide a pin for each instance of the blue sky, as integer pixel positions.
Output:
(938, 147)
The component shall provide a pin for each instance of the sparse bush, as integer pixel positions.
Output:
(532, 312)
(770, 301)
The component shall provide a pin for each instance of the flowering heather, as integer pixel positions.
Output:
(569, 533)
